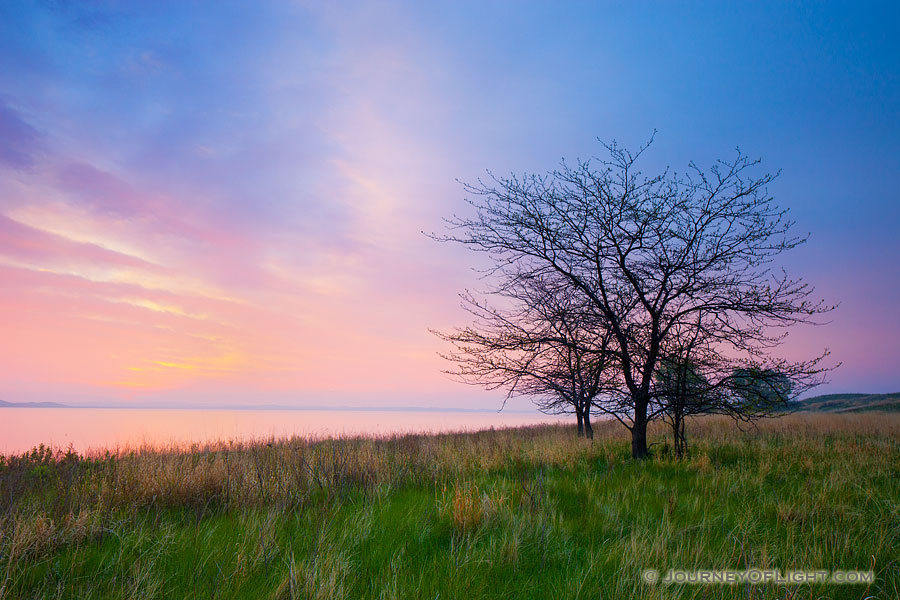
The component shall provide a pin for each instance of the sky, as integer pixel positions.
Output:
(223, 202)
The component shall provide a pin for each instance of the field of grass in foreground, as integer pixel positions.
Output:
(518, 513)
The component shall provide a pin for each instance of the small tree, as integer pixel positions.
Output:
(545, 346)
(682, 391)
(762, 390)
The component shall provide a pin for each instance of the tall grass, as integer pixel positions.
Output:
(528, 512)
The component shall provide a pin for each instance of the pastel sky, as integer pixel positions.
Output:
(224, 202)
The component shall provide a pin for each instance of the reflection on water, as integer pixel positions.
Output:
(98, 428)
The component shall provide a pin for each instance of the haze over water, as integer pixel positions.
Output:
(88, 429)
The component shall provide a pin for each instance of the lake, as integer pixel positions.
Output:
(102, 428)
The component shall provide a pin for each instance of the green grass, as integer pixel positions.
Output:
(530, 513)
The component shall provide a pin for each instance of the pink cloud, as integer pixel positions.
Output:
(28, 243)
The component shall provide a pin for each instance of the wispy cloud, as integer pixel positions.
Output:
(199, 201)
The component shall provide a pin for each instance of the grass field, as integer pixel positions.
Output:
(519, 513)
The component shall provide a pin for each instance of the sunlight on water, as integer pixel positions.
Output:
(102, 428)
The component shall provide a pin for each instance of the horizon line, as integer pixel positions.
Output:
(271, 407)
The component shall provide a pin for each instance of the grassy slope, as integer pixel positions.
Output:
(509, 514)
(851, 403)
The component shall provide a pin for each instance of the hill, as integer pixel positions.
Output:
(4, 403)
(850, 403)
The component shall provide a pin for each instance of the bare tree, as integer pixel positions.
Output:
(695, 377)
(653, 256)
(545, 345)
(681, 391)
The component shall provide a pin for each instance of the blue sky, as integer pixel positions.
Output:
(229, 197)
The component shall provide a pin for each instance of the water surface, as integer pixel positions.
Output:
(101, 428)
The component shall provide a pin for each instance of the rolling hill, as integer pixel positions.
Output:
(845, 403)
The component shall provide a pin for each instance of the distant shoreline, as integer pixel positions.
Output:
(846, 402)
(4, 404)
(269, 407)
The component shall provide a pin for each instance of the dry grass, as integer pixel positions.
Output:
(487, 487)
(48, 497)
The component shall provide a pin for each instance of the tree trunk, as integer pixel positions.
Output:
(678, 433)
(681, 447)
(588, 428)
(639, 430)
